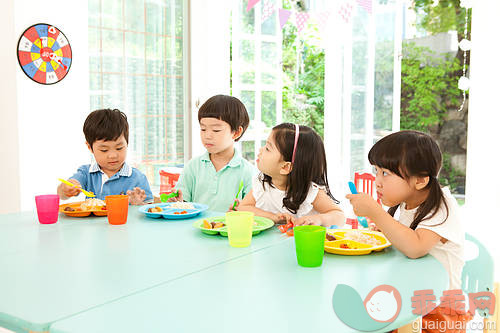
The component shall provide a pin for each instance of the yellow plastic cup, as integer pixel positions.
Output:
(239, 228)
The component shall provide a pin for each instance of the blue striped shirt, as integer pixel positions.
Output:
(93, 179)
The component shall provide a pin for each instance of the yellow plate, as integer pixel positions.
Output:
(78, 212)
(354, 248)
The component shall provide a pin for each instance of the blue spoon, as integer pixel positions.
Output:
(361, 219)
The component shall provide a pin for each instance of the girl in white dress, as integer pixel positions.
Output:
(422, 218)
(293, 184)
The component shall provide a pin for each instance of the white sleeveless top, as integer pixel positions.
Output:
(270, 198)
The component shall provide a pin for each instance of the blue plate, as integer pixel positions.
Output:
(171, 213)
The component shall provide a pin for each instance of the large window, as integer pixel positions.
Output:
(256, 69)
(363, 95)
(137, 65)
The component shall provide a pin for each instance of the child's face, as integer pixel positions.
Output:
(216, 135)
(391, 188)
(110, 155)
(269, 160)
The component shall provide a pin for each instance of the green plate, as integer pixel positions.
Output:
(260, 224)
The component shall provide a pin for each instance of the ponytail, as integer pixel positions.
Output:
(431, 204)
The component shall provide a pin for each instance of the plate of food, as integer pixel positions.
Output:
(84, 208)
(354, 241)
(173, 210)
(217, 225)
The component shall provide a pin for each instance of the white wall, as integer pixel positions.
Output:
(483, 140)
(51, 142)
(9, 144)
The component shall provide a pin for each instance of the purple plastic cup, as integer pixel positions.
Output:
(47, 208)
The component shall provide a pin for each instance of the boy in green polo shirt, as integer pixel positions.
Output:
(214, 177)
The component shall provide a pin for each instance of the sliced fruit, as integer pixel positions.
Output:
(207, 225)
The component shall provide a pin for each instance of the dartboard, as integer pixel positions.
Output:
(44, 53)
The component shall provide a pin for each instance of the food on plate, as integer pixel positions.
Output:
(155, 210)
(182, 205)
(69, 209)
(330, 237)
(361, 237)
(183, 212)
(92, 204)
(212, 225)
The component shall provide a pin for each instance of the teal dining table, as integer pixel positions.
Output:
(50, 272)
(84, 275)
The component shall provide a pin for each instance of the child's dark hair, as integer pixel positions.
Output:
(412, 153)
(309, 165)
(228, 109)
(105, 124)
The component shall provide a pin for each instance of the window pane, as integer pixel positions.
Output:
(135, 101)
(155, 14)
(94, 50)
(112, 14)
(248, 98)
(112, 51)
(269, 62)
(155, 60)
(135, 62)
(268, 27)
(94, 13)
(247, 18)
(269, 108)
(247, 150)
(112, 92)
(134, 15)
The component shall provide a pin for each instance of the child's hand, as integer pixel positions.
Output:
(177, 198)
(70, 191)
(232, 207)
(283, 216)
(136, 196)
(363, 204)
(308, 220)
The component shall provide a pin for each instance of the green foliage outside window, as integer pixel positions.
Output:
(428, 87)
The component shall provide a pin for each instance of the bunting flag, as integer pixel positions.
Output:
(300, 20)
(267, 10)
(366, 5)
(251, 4)
(345, 11)
(284, 16)
(322, 19)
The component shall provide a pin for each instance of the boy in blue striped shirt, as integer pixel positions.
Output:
(106, 135)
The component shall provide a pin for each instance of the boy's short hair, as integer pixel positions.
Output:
(105, 124)
(228, 109)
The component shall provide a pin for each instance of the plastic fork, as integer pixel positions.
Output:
(87, 193)
(361, 219)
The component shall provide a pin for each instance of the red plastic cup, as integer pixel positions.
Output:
(117, 207)
(47, 208)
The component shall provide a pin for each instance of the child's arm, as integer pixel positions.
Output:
(413, 243)
(248, 205)
(329, 212)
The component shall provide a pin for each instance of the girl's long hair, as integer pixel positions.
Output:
(412, 153)
(309, 165)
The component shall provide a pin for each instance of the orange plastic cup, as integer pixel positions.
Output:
(117, 207)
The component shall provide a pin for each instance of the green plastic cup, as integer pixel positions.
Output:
(309, 244)
(239, 228)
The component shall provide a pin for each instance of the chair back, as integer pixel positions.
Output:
(477, 274)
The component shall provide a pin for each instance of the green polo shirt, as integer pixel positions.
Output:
(200, 182)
